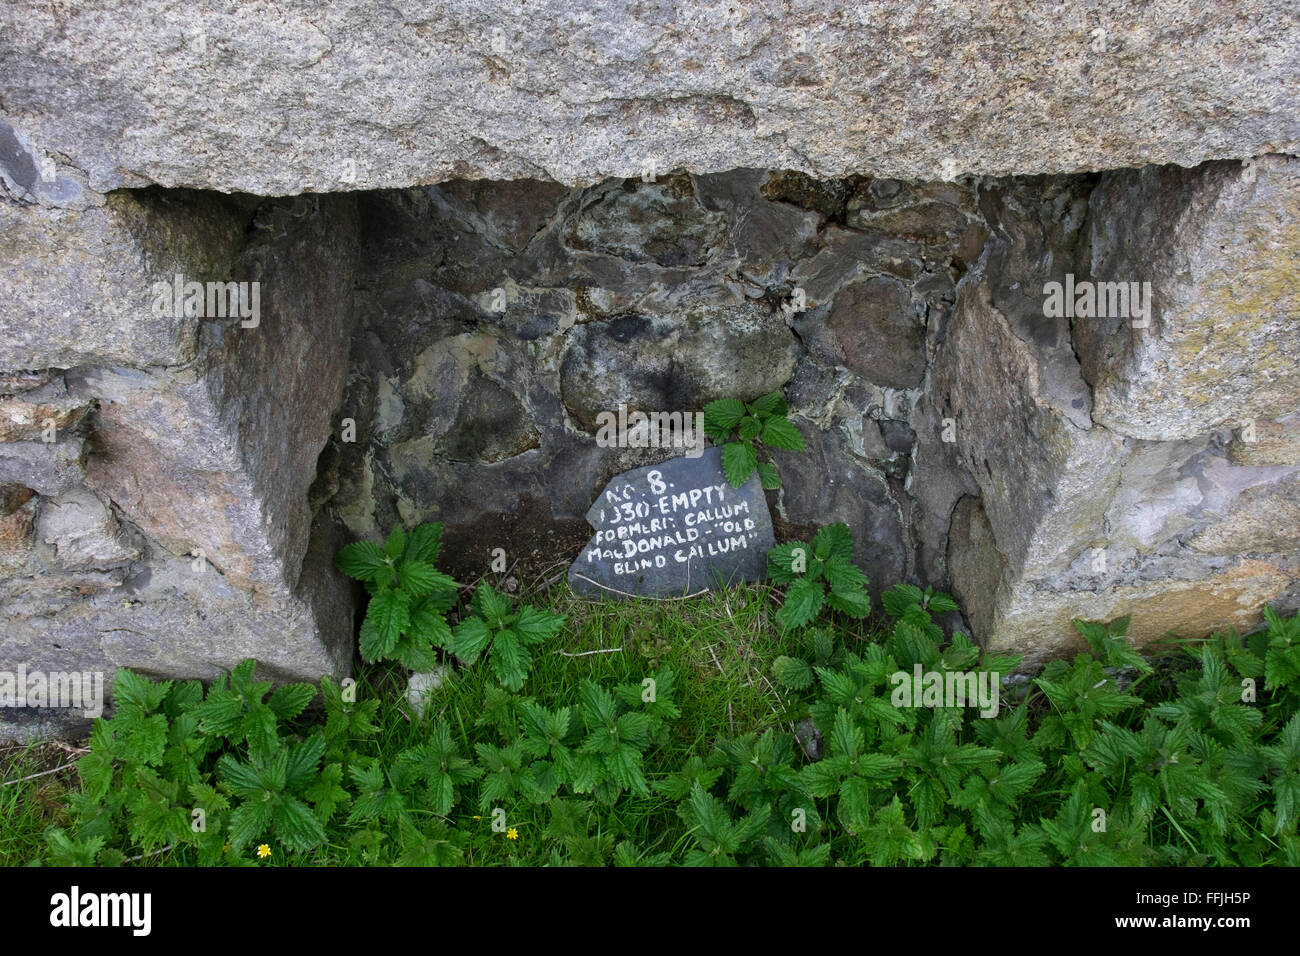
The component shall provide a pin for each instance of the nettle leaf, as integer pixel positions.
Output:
(291, 700)
(148, 739)
(326, 794)
(738, 462)
(250, 821)
(768, 476)
(302, 760)
(296, 826)
(834, 542)
(722, 416)
(782, 559)
(793, 673)
(391, 614)
(900, 597)
(510, 659)
(490, 605)
(853, 603)
(843, 575)
(372, 642)
(362, 560)
(782, 433)
(1281, 665)
(750, 427)
(598, 707)
(802, 602)
(395, 544)
(419, 578)
(424, 543)
(773, 403)
(428, 623)
(535, 625)
(941, 603)
(138, 693)
(470, 638)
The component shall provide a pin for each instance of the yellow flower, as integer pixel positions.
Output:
(512, 834)
(225, 848)
(263, 851)
(478, 818)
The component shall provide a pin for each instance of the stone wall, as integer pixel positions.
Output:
(1090, 468)
(497, 221)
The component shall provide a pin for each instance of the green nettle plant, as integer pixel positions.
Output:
(1106, 759)
(817, 575)
(762, 421)
(1103, 760)
(409, 597)
(503, 635)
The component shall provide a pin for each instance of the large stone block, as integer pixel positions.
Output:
(1220, 246)
(78, 282)
(168, 527)
(1077, 519)
(218, 458)
(294, 98)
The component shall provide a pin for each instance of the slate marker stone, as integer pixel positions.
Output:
(674, 529)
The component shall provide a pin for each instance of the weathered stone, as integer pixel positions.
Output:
(558, 89)
(1044, 482)
(213, 458)
(79, 283)
(825, 484)
(1262, 519)
(659, 364)
(1073, 519)
(766, 237)
(1220, 247)
(510, 213)
(662, 222)
(170, 619)
(49, 468)
(32, 416)
(1272, 443)
(874, 330)
(828, 197)
(1039, 622)
(219, 460)
(83, 532)
(848, 255)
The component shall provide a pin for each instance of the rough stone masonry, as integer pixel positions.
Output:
(475, 227)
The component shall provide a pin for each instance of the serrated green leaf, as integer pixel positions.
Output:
(535, 625)
(802, 602)
(773, 403)
(419, 578)
(721, 416)
(768, 476)
(362, 560)
(793, 673)
(395, 544)
(782, 433)
(738, 462)
(470, 638)
(424, 543)
(291, 700)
